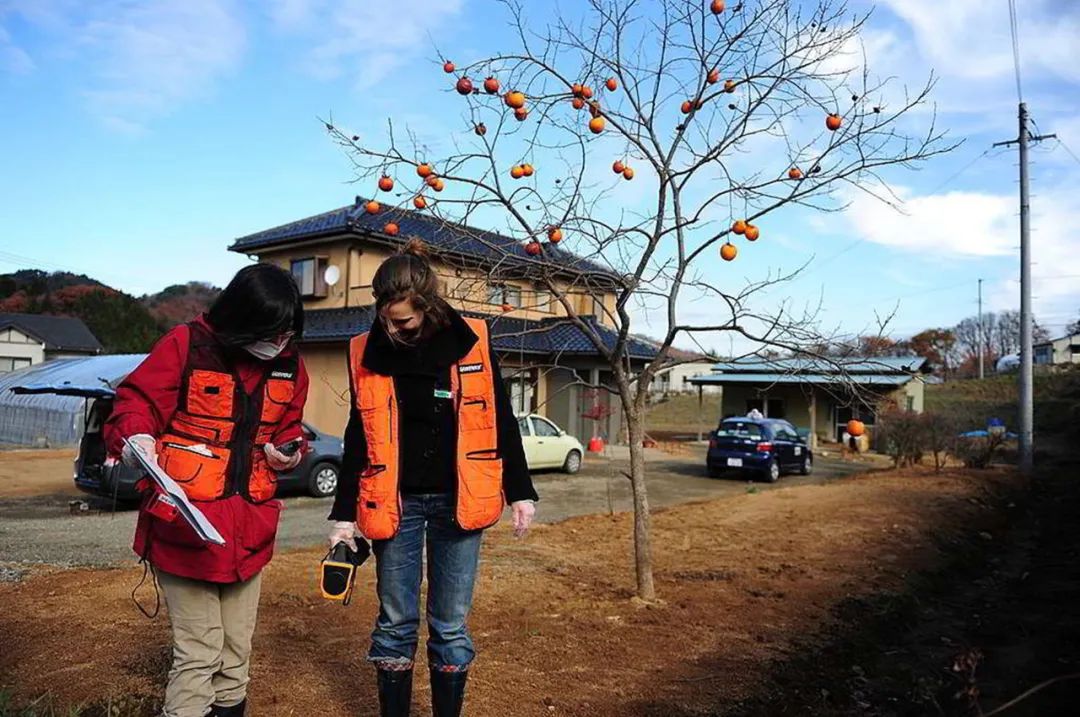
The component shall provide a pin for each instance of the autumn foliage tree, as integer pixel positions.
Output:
(722, 115)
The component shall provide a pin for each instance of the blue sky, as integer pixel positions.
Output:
(140, 138)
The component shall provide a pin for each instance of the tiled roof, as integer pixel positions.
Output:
(550, 336)
(58, 333)
(487, 248)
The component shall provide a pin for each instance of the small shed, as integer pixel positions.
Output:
(821, 395)
(49, 419)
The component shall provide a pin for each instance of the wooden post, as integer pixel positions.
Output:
(700, 411)
(813, 419)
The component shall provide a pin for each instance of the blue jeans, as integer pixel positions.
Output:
(452, 558)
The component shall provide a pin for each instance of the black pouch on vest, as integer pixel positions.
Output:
(339, 570)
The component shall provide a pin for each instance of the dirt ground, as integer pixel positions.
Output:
(749, 584)
(37, 472)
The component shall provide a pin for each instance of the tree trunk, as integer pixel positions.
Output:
(646, 589)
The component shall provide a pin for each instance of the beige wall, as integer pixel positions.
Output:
(328, 397)
(915, 389)
(465, 289)
(14, 344)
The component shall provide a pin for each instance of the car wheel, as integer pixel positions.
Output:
(807, 465)
(772, 473)
(323, 480)
(572, 464)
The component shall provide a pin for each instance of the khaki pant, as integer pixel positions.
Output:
(212, 624)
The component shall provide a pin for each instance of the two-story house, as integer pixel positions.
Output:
(550, 364)
(28, 339)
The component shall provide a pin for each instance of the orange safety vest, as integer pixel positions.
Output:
(212, 444)
(478, 493)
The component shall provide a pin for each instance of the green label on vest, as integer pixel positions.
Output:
(439, 393)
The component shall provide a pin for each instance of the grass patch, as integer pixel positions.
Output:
(46, 706)
(680, 413)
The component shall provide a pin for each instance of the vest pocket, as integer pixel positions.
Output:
(210, 393)
(483, 473)
(200, 470)
(262, 485)
(476, 414)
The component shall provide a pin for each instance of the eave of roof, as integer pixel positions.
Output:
(468, 245)
(769, 379)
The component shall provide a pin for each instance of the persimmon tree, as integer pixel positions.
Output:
(719, 116)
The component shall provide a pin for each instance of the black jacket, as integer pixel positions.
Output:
(428, 425)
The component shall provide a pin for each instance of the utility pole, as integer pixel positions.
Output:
(981, 334)
(1027, 387)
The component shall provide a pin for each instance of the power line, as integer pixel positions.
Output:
(1014, 31)
(1066, 148)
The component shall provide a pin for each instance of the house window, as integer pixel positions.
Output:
(909, 403)
(543, 300)
(598, 308)
(10, 363)
(504, 294)
(310, 276)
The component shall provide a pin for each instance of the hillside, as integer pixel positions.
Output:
(1057, 400)
(123, 323)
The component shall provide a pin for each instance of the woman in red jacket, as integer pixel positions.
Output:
(211, 403)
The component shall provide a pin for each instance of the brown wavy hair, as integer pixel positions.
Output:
(408, 276)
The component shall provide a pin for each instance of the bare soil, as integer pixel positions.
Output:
(37, 472)
(763, 597)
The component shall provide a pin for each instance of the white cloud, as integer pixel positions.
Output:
(13, 58)
(961, 228)
(954, 223)
(970, 38)
(362, 40)
(151, 57)
(139, 60)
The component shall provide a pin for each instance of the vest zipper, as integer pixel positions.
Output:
(391, 404)
(458, 398)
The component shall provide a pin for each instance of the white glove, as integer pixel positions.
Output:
(278, 460)
(524, 511)
(144, 441)
(343, 531)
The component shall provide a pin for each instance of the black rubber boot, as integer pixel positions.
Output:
(395, 693)
(447, 692)
(236, 710)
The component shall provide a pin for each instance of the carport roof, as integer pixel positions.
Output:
(770, 379)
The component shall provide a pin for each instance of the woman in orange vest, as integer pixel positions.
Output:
(212, 404)
(432, 455)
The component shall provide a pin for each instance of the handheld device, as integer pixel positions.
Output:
(339, 568)
(291, 447)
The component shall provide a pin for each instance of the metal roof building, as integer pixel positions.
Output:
(50, 419)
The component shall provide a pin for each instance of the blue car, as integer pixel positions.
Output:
(762, 448)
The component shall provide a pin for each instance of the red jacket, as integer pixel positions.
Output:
(144, 403)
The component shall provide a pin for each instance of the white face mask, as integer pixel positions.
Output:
(266, 350)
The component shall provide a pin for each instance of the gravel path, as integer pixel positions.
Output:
(44, 530)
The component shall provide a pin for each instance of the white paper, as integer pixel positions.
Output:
(195, 518)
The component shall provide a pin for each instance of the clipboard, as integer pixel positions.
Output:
(194, 517)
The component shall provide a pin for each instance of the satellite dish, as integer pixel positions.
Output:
(332, 275)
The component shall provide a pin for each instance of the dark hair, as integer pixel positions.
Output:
(408, 275)
(261, 302)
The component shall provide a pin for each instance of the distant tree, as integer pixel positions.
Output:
(120, 322)
(876, 346)
(1073, 328)
(180, 303)
(936, 346)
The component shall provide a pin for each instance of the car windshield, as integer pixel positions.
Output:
(739, 429)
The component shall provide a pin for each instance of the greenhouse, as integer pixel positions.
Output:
(55, 417)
